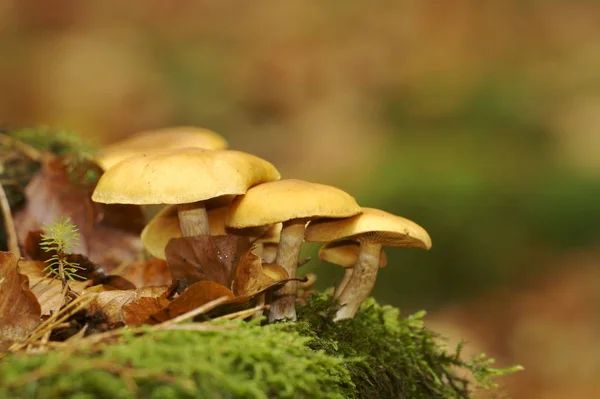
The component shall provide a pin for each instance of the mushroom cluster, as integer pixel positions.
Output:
(210, 190)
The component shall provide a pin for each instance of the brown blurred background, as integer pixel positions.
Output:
(479, 120)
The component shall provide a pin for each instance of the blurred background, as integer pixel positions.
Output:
(478, 120)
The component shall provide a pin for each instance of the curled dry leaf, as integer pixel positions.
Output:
(112, 303)
(48, 290)
(205, 258)
(20, 311)
(251, 276)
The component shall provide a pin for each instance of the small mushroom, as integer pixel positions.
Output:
(160, 139)
(266, 244)
(187, 177)
(345, 253)
(293, 203)
(165, 225)
(373, 228)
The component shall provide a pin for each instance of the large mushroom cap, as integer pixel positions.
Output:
(373, 225)
(280, 201)
(182, 176)
(160, 139)
(345, 253)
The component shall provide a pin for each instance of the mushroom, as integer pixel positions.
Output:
(293, 203)
(345, 253)
(160, 139)
(373, 228)
(267, 243)
(186, 177)
(165, 225)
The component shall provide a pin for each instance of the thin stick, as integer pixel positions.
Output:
(242, 314)
(9, 224)
(207, 307)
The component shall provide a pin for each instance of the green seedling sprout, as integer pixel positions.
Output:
(61, 237)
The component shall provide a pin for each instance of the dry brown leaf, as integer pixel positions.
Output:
(147, 273)
(51, 194)
(109, 233)
(250, 277)
(20, 311)
(124, 217)
(47, 290)
(111, 247)
(112, 302)
(139, 310)
(196, 295)
(205, 258)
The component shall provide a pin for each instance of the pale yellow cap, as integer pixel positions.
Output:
(284, 200)
(160, 139)
(345, 253)
(182, 176)
(371, 225)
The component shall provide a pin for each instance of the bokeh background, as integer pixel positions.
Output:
(479, 120)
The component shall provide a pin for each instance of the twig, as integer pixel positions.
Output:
(304, 261)
(242, 314)
(9, 224)
(207, 307)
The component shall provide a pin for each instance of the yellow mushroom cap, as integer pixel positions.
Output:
(371, 225)
(345, 253)
(182, 176)
(284, 200)
(160, 139)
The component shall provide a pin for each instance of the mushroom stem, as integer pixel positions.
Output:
(349, 271)
(290, 243)
(193, 219)
(269, 253)
(362, 282)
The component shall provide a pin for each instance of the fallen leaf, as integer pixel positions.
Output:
(112, 302)
(109, 233)
(205, 258)
(124, 217)
(251, 276)
(20, 311)
(53, 193)
(112, 247)
(47, 289)
(138, 311)
(147, 273)
(195, 296)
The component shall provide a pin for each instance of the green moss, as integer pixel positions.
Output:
(56, 141)
(400, 358)
(246, 361)
(376, 355)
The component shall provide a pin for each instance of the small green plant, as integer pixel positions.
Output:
(60, 237)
